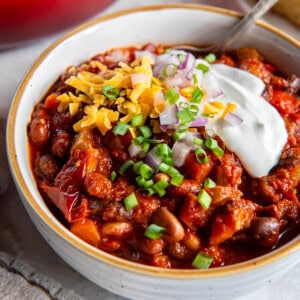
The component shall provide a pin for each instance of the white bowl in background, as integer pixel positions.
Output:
(165, 24)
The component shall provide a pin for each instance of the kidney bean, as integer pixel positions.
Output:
(61, 143)
(116, 229)
(39, 131)
(164, 218)
(265, 231)
(47, 166)
(97, 184)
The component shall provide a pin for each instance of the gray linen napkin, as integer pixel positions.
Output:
(19, 281)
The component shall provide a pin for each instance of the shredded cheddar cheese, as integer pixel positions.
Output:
(137, 88)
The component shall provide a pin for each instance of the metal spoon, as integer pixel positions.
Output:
(239, 28)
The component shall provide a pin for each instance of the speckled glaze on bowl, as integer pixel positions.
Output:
(161, 24)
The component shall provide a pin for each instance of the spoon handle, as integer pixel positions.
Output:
(256, 12)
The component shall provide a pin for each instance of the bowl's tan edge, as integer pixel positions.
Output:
(81, 246)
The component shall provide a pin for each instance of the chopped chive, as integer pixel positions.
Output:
(210, 58)
(145, 131)
(125, 166)
(202, 261)
(121, 128)
(113, 176)
(197, 95)
(201, 155)
(130, 202)
(185, 115)
(204, 199)
(208, 183)
(154, 232)
(171, 95)
(137, 120)
(110, 92)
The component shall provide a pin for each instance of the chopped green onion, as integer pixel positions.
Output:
(194, 109)
(146, 147)
(177, 179)
(202, 261)
(137, 166)
(137, 120)
(160, 187)
(138, 140)
(214, 147)
(125, 166)
(171, 95)
(178, 135)
(185, 115)
(148, 183)
(130, 202)
(163, 167)
(146, 171)
(181, 57)
(204, 199)
(209, 183)
(113, 176)
(163, 151)
(172, 172)
(210, 58)
(195, 78)
(140, 180)
(121, 128)
(154, 232)
(204, 68)
(169, 70)
(110, 92)
(197, 141)
(145, 131)
(208, 115)
(197, 95)
(150, 191)
(201, 155)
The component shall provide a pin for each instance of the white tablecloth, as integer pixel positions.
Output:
(19, 238)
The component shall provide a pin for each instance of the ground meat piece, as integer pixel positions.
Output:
(97, 184)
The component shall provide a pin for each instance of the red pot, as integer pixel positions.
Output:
(22, 20)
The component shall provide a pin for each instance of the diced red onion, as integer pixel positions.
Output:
(211, 85)
(199, 121)
(134, 150)
(233, 119)
(180, 151)
(138, 78)
(168, 116)
(152, 159)
(140, 53)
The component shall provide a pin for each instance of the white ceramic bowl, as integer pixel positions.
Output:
(161, 24)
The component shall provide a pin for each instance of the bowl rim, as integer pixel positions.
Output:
(79, 244)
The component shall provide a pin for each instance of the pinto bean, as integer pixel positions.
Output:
(97, 184)
(186, 186)
(47, 166)
(164, 218)
(192, 241)
(151, 247)
(116, 229)
(265, 231)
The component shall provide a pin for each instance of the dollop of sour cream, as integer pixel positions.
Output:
(259, 140)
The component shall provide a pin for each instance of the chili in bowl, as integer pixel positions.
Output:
(158, 165)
